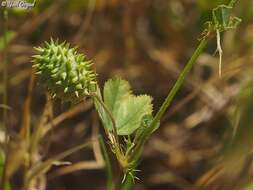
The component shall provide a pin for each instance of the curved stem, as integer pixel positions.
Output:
(114, 128)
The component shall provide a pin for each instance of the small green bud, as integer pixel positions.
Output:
(65, 73)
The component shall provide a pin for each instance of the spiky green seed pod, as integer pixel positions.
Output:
(65, 73)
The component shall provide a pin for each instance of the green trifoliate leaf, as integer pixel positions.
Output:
(127, 109)
(65, 73)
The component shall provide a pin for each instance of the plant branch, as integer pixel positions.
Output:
(149, 130)
(178, 84)
(114, 128)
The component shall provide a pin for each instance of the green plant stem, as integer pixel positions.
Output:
(115, 142)
(149, 130)
(176, 86)
(136, 154)
(110, 115)
(109, 182)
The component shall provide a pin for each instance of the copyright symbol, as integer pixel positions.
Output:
(3, 3)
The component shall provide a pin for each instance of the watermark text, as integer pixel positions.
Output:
(22, 4)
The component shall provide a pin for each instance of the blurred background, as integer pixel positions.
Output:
(206, 137)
